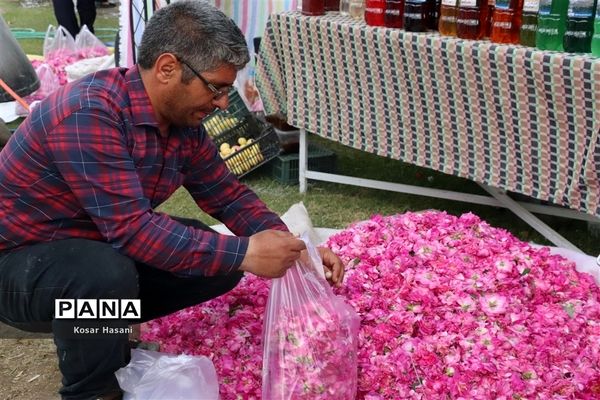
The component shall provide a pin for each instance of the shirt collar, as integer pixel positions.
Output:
(142, 112)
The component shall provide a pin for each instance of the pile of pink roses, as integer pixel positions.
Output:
(450, 307)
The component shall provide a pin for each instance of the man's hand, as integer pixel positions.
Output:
(334, 269)
(270, 253)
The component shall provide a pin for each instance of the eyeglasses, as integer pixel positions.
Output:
(217, 92)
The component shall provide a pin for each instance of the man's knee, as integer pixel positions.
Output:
(98, 271)
(235, 279)
(225, 283)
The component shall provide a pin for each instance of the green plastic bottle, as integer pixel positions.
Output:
(552, 20)
(580, 26)
(529, 22)
(596, 37)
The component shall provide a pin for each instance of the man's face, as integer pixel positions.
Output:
(188, 104)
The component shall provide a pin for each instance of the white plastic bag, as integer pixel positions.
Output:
(298, 222)
(153, 375)
(310, 337)
(58, 43)
(88, 45)
(246, 87)
(86, 66)
(583, 262)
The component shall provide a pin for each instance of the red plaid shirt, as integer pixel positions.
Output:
(89, 162)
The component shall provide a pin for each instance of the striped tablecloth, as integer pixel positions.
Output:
(511, 117)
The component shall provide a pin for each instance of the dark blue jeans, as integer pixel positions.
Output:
(31, 278)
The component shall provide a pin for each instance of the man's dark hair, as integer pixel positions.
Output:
(196, 32)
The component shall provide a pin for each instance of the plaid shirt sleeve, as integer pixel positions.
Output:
(218, 192)
(90, 151)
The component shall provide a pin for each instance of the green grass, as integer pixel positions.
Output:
(333, 205)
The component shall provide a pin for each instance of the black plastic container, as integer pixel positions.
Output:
(15, 69)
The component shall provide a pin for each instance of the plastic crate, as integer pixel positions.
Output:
(220, 121)
(262, 145)
(228, 126)
(285, 167)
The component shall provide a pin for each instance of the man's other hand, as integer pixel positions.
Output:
(334, 269)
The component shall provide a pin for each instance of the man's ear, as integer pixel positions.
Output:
(167, 68)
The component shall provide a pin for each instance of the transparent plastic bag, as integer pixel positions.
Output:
(246, 87)
(152, 375)
(310, 337)
(48, 82)
(58, 43)
(88, 45)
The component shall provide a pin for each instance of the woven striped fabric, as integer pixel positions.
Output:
(251, 15)
(511, 117)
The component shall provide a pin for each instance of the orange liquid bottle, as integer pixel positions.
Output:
(506, 21)
(471, 19)
(448, 13)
